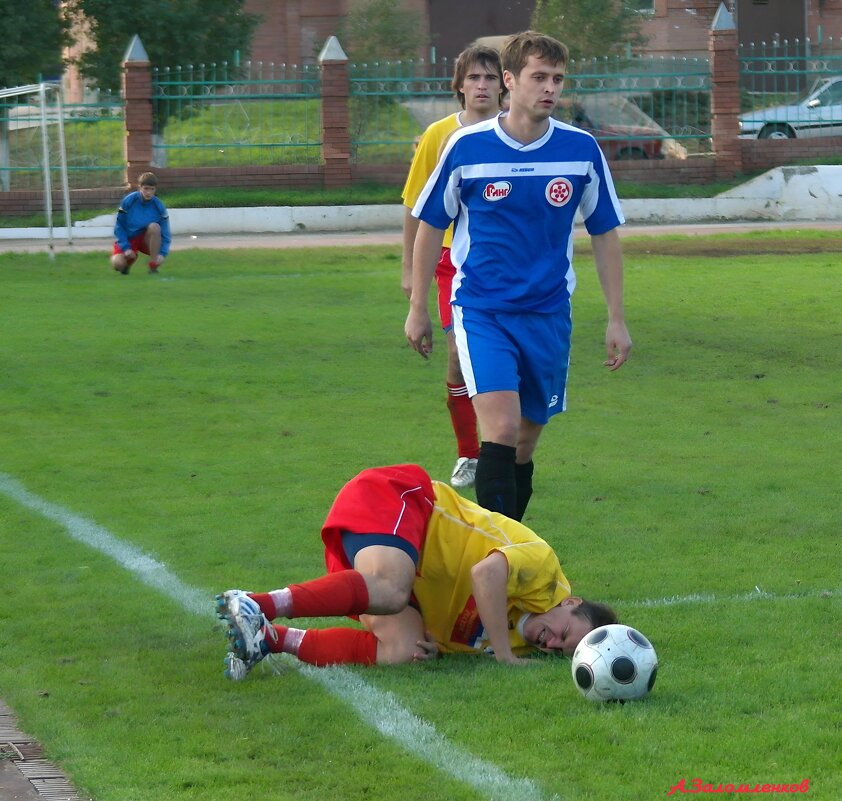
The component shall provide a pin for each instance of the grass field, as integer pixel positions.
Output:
(166, 437)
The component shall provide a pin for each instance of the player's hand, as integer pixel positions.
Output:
(160, 259)
(419, 331)
(618, 345)
(426, 649)
(129, 254)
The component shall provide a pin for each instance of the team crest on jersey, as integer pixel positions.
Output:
(497, 191)
(559, 191)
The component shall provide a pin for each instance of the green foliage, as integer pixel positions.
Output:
(589, 28)
(381, 30)
(34, 33)
(172, 31)
(207, 416)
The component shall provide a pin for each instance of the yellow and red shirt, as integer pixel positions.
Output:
(424, 162)
(460, 534)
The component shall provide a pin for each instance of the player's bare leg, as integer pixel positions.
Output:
(400, 637)
(152, 239)
(120, 263)
(389, 574)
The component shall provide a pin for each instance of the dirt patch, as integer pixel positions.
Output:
(729, 245)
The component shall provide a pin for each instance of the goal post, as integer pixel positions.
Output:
(43, 91)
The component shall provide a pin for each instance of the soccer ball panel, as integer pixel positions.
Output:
(614, 663)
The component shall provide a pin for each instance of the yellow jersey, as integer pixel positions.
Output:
(424, 162)
(460, 534)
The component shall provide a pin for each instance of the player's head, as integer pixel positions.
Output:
(518, 47)
(148, 184)
(473, 58)
(147, 179)
(562, 627)
(596, 614)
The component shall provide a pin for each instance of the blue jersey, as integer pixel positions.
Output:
(514, 207)
(134, 216)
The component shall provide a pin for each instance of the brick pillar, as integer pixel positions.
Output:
(137, 95)
(336, 137)
(725, 94)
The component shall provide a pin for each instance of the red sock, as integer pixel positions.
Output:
(464, 420)
(266, 604)
(342, 593)
(322, 647)
(276, 646)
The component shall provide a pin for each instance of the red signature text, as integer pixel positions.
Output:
(698, 786)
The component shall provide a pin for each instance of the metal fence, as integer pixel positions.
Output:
(94, 134)
(636, 107)
(259, 113)
(392, 103)
(235, 114)
(641, 107)
(791, 89)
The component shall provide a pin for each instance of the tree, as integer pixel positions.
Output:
(34, 33)
(590, 28)
(174, 32)
(381, 30)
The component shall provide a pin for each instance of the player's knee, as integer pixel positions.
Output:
(153, 228)
(388, 595)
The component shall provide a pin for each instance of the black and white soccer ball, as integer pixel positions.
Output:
(614, 663)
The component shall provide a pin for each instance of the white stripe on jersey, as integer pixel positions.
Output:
(504, 169)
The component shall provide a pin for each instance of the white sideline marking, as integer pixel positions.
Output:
(756, 595)
(380, 709)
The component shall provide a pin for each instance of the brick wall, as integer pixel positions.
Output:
(21, 203)
(281, 176)
(764, 154)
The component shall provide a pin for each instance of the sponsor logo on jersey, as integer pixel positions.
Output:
(559, 191)
(468, 628)
(497, 191)
(523, 169)
(553, 401)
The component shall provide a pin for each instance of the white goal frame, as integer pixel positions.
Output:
(43, 90)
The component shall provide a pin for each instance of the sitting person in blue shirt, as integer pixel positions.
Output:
(142, 226)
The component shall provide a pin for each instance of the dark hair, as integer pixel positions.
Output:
(519, 46)
(148, 179)
(488, 57)
(595, 613)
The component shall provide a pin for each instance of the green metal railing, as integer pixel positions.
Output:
(791, 89)
(254, 114)
(636, 107)
(229, 114)
(642, 107)
(392, 103)
(94, 134)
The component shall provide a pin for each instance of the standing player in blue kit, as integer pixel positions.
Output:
(513, 185)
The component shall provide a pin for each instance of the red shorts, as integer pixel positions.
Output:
(395, 500)
(445, 271)
(138, 245)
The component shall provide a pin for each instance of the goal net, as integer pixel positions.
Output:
(37, 106)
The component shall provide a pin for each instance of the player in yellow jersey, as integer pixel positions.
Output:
(478, 85)
(426, 572)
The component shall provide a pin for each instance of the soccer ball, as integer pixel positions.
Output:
(614, 663)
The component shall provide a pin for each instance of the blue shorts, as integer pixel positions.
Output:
(525, 352)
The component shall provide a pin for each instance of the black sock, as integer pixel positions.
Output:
(523, 480)
(495, 483)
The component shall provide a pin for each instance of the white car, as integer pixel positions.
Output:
(818, 114)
